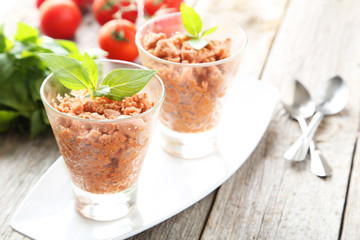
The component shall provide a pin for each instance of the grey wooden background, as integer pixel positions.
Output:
(268, 197)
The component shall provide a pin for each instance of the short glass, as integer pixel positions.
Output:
(195, 92)
(104, 157)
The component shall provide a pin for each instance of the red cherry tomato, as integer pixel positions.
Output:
(59, 19)
(79, 3)
(39, 2)
(104, 10)
(151, 7)
(117, 37)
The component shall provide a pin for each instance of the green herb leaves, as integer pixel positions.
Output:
(118, 84)
(21, 75)
(90, 72)
(191, 20)
(67, 70)
(193, 25)
(127, 82)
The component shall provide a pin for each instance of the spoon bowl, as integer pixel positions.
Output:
(297, 100)
(332, 99)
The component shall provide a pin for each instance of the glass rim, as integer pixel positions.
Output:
(137, 42)
(127, 118)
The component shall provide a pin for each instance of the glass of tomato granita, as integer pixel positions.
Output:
(103, 142)
(196, 81)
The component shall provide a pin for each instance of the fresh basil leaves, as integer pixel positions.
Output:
(118, 84)
(193, 25)
(21, 75)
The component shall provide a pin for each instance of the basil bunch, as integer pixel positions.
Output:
(21, 75)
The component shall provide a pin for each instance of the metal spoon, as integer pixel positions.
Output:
(298, 103)
(333, 98)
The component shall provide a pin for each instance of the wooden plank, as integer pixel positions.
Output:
(261, 30)
(22, 162)
(270, 198)
(186, 225)
(261, 27)
(259, 19)
(351, 223)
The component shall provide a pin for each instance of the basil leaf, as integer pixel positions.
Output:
(68, 45)
(6, 118)
(127, 82)
(6, 67)
(102, 91)
(5, 44)
(72, 49)
(25, 32)
(8, 99)
(96, 52)
(90, 71)
(37, 124)
(66, 70)
(45, 117)
(193, 24)
(191, 20)
(207, 32)
(198, 43)
(2, 39)
(52, 45)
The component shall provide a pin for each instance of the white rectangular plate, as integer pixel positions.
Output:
(167, 185)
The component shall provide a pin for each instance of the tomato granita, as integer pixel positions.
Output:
(197, 57)
(103, 157)
(102, 114)
(194, 95)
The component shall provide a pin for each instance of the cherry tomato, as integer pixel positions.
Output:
(59, 19)
(78, 2)
(104, 10)
(117, 37)
(151, 7)
(39, 2)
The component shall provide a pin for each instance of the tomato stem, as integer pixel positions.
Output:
(108, 5)
(119, 35)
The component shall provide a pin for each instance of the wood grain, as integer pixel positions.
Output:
(351, 223)
(270, 198)
(186, 225)
(259, 19)
(260, 29)
(22, 162)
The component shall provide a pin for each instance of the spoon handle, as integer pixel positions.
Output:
(318, 164)
(299, 149)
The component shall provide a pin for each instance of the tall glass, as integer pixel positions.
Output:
(195, 92)
(103, 157)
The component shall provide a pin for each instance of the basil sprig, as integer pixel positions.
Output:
(118, 84)
(193, 25)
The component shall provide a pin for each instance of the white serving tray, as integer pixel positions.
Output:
(167, 185)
